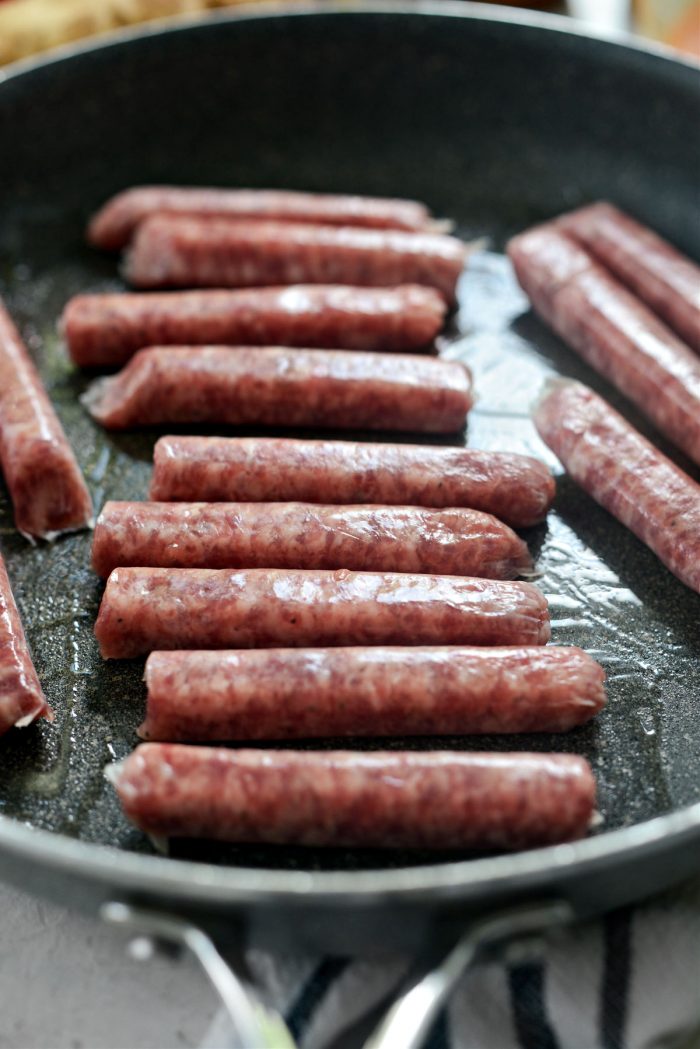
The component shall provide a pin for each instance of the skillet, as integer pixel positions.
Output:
(495, 119)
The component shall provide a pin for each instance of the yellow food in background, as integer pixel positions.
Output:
(675, 22)
(27, 26)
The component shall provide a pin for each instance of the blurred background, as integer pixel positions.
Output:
(29, 26)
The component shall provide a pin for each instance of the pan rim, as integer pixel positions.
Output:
(200, 883)
(192, 882)
(264, 10)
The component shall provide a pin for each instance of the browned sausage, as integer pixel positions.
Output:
(113, 225)
(275, 386)
(516, 488)
(21, 697)
(307, 692)
(104, 331)
(146, 609)
(624, 473)
(666, 280)
(179, 251)
(46, 486)
(302, 535)
(614, 332)
(439, 799)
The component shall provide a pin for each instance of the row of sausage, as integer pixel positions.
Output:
(215, 695)
(433, 494)
(283, 579)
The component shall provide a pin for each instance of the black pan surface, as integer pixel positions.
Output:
(493, 122)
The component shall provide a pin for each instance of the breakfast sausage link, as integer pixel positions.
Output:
(21, 697)
(311, 692)
(147, 609)
(275, 386)
(516, 488)
(179, 251)
(666, 280)
(46, 486)
(441, 799)
(302, 535)
(613, 332)
(112, 227)
(104, 331)
(625, 473)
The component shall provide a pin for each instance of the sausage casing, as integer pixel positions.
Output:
(516, 488)
(439, 799)
(47, 488)
(313, 692)
(625, 473)
(276, 386)
(614, 332)
(147, 609)
(666, 280)
(112, 227)
(104, 331)
(21, 697)
(303, 535)
(180, 251)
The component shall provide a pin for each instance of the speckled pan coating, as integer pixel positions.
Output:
(277, 386)
(343, 798)
(625, 473)
(517, 488)
(145, 609)
(302, 535)
(316, 692)
(112, 227)
(104, 331)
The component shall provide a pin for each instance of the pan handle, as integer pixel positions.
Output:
(252, 1023)
(409, 1019)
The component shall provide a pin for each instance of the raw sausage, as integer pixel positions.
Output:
(666, 280)
(147, 609)
(308, 692)
(178, 251)
(516, 488)
(613, 332)
(439, 799)
(104, 331)
(21, 697)
(275, 386)
(624, 473)
(46, 486)
(113, 225)
(301, 535)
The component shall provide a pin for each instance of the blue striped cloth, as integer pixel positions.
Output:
(628, 981)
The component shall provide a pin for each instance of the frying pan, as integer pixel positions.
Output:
(496, 120)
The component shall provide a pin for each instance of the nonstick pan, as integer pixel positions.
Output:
(497, 121)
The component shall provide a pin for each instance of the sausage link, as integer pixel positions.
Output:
(441, 799)
(516, 488)
(21, 697)
(301, 535)
(306, 693)
(104, 331)
(146, 609)
(178, 251)
(46, 486)
(626, 474)
(666, 280)
(275, 386)
(613, 332)
(112, 227)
